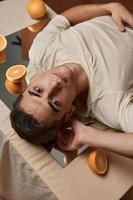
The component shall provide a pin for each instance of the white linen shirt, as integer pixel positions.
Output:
(106, 55)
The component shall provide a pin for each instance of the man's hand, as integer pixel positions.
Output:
(82, 13)
(120, 15)
(72, 137)
(81, 134)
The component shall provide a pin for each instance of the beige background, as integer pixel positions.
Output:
(14, 16)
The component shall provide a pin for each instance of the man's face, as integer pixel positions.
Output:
(50, 95)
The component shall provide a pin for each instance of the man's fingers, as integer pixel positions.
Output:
(128, 20)
(120, 24)
(121, 28)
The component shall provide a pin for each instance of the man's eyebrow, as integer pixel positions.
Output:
(53, 108)
(33, 93)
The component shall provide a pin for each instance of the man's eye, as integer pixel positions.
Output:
(38, 90)
(55, 104)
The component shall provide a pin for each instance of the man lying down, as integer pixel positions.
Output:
(81, 64)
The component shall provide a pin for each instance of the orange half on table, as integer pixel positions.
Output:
(36, 9)
(98, 161)
(3, 45)
(14, 88)
(3, 42)
(16, 73)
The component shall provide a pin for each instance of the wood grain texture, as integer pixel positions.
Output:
(59, 5)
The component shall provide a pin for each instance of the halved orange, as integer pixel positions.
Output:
(3, 42)
(14, 88)
(16, 73)
(98, 161)
(36, 9)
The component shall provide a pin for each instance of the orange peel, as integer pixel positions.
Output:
(98, 161)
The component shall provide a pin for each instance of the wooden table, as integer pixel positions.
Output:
(31, 169)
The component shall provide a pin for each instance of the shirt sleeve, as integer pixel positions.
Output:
(58, 23)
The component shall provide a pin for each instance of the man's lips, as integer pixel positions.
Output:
(61, 77)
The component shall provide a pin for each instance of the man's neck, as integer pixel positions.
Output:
(80, 77)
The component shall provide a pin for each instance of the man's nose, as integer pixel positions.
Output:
(54, 88)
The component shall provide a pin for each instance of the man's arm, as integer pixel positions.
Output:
(121, 143)
(85, 12)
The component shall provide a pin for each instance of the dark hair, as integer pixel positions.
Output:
(28, 128)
